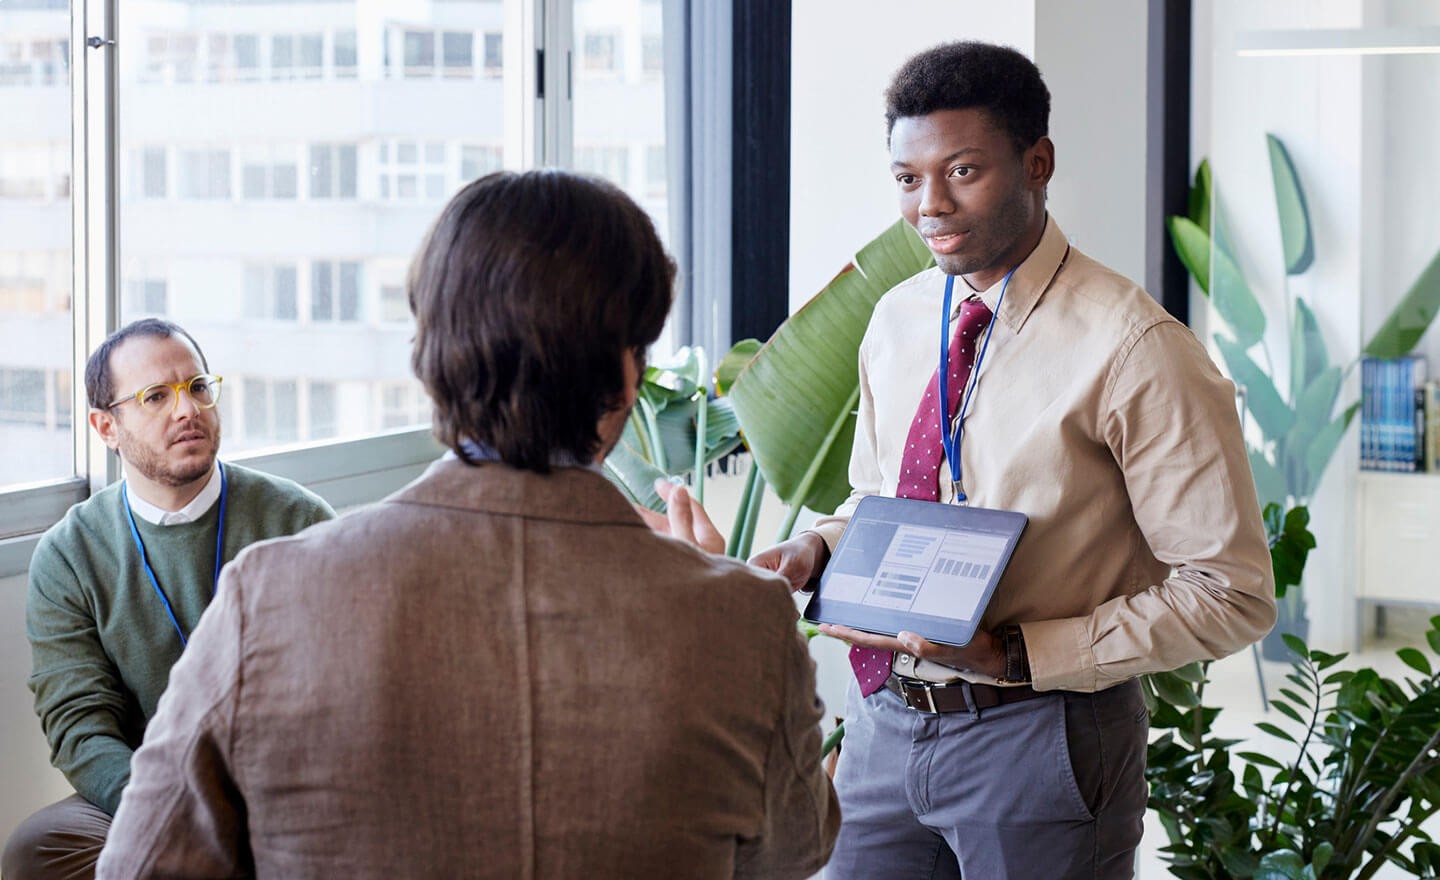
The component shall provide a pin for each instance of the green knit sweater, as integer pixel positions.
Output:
(100, 638)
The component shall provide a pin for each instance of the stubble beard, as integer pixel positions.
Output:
(1006, 227)
(152, 465)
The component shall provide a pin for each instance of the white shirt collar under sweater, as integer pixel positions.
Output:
(189, 513)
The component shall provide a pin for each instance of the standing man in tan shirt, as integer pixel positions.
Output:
(1100, 417)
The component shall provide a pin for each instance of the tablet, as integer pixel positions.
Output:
(920, 566)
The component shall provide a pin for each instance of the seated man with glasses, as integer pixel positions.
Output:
(118, 585)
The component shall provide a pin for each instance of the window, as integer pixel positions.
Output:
(271, 410)
(34, 62)
(419, 53)
(204, 174)
(296, 56)
(268, 172)
(478, 160)
(146, 296)
(344, 55)
(335, 291)
(494, 54)
(652, 54)
(323, 411)
(412, 171)
(170, 58)
(394, 304)
(22, 396)
(600, 55)
(610, 162)
(655, 170)
(332, 171)
(458, 53)
(35, 171)
(403, 405)
(271, 293)
(147, 173)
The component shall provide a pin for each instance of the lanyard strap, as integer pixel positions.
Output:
(145, 560)
(951, 435)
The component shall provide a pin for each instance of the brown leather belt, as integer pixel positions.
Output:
(935, 698)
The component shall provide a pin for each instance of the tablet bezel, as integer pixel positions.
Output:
(952, 517)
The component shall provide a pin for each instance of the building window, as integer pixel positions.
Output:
(146, 296)
(271, 410)
(600, 54)
(345, 55)
(419, 53)
(22, 396)
(652, 54)
(34, 62)
(170, 58)
(394, 304)
(335, 291)
(478, 160)
(457, 53)
(332, 171)
(655, 170)
(494, 54)
(611, 163)
(270, 293)
(403, 405)
(268, 172)
(34, 282)
(296, 56)
(411, 171)
(204, 174)
(34, 172)
(324, 415)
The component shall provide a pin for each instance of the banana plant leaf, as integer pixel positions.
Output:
(1308, 356)
(1234, 300)
(796, 398)
(1411, 318)
(733, 362)
(632, 473)
(1274, 417)
(1295, 233)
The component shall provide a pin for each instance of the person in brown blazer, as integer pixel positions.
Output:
(500, 670)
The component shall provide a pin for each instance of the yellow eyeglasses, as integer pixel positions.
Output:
(162, 397)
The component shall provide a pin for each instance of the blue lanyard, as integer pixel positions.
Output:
(951, 435)
(145, 561)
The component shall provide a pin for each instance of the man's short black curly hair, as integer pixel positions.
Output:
(959, 76)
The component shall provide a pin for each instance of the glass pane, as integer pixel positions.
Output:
(265, 218)
(620, 102)
(35, 252)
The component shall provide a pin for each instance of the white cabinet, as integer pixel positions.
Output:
(1398, 552)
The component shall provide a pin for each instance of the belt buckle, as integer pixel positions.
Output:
(912, 701)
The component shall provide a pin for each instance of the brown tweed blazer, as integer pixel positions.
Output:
(491, 673)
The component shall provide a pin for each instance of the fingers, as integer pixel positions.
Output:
(861, 638)
(657, 521)
(685, 519)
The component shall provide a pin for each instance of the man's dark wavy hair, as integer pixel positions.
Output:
(527, 293)
(959, 76)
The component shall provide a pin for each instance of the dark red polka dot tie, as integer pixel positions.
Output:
(923, 458)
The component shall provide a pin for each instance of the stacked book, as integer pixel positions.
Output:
(1399, 416)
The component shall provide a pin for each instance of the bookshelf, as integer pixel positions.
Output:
(1398, 543)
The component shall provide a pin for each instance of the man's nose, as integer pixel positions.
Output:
(935, 199)
(185, 407)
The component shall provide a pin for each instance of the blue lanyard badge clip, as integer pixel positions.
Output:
(951, 435)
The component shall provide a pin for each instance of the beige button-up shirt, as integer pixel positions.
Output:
(1101, 418)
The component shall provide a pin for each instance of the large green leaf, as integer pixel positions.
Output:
(1322, 448)
(1192, 245)
(1308, 356)
(1234, 300)
(1411, 318)
(632, 473)
(800, 388)
(1269, 482)
(1271, 412)
(733, 362)
(1290, 203)
(1200, 196)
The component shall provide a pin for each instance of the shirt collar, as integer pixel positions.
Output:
(476, 452)
(1032, 277)
(197, 507)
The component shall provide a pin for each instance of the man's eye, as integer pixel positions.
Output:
(962, 171)
(905, 179)
(155, 396)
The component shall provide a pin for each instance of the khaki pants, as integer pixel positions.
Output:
(62, 840)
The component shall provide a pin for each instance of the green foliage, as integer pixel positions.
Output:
(1290, 544)
(1363, 775)
(676, 428)
(797, 396)
(1301, 425)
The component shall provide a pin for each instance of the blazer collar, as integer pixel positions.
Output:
(1031, 279)
(568, 494)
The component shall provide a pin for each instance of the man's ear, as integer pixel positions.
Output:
(1039, 163)
(103, 421)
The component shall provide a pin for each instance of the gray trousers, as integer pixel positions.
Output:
(1052, 787)
(62, 840)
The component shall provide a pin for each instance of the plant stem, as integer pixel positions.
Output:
(832, 739)
(811, 473)
(742, 513)
(652, 426)
(752, 516)
(702, 412)
(1299, 756)
(1410, 772)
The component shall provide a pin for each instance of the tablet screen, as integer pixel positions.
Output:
(916, 565)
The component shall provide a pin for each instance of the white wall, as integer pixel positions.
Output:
(843, 55)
